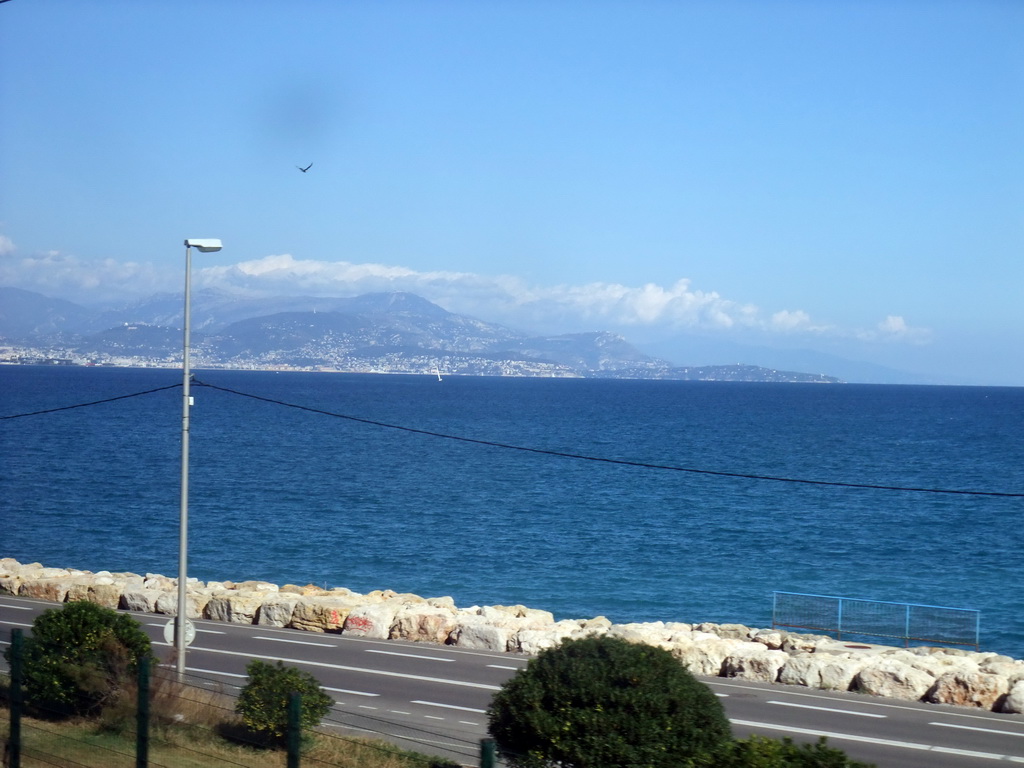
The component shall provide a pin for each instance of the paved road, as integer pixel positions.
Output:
(433, 698)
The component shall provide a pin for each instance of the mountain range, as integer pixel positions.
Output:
(379, 332)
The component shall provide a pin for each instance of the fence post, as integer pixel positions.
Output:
(839, 621)
(12, 750)
(142, 715)
(486, 753)
(294, 729)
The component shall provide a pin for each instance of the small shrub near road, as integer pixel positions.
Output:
(761, 752)
(601, 702)
(80, 659)
(263, 702)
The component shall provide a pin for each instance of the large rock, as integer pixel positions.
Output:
(53, 589)
(107, 595)
(1014, 701)
(372, 621)
(277, 610)
(533, 641)
(234, 607)
(326, 613)
(970, 689)
(423, 623)
(653, 633)
(802, 669)
(706, 655)
(475, 632)
(195, 602)
(892, 678)
(140, 599)
(753, 661)
(838, 671)
(532, 616)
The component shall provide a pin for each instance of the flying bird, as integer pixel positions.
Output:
(304, 169)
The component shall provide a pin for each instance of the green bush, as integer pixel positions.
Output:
(605, 703)
(80, 658)
(263, 703)
(761, 752)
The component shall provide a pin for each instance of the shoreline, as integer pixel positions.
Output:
(982, 680)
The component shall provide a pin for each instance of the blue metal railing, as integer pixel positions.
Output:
(909, 622)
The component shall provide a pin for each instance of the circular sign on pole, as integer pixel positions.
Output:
(190, 632)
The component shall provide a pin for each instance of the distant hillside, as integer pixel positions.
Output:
(28, 315)
(380, 332)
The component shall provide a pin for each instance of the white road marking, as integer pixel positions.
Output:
(881, 742)
(385, 673)
(408, 655)
(825, 709)
(354, 693)
(16, 607)
(499, 666)
(293, 642)
(449, 706)
(204, 631)
(209, 671)
(975, 728)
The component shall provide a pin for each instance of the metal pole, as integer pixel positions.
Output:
(181, 618)
(142, 714)
(12, 750)
(294, 730)
(487, 753)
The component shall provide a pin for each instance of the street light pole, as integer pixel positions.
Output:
(181, 619)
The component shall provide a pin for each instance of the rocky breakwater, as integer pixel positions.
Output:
(939, 675)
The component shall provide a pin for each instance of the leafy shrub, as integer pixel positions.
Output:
(605, 703)
(263, 702)
(80, 658)
(761, 752)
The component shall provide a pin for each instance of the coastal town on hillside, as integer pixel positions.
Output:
(395, 363)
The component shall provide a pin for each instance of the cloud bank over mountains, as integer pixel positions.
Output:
(506, 299)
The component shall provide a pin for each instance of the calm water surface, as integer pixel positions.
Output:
(300, 496)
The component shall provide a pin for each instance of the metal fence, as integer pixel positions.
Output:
(175, 721)
(853, 618)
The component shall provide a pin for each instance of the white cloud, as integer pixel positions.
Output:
(797, 321)
(87, 282)
(505, 299)
(501, 298)
(895, 328)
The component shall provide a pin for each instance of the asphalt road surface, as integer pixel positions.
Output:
(433, 699)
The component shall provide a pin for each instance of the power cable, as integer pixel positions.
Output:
(542, 451)
(621, 462)
(94, 402)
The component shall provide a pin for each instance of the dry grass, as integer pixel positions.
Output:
(79, 742)
(190, 727)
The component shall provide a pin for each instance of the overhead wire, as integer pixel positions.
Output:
(541, 451)
(622, 462)
(86, 405)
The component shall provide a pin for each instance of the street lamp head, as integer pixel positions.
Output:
(204, 244)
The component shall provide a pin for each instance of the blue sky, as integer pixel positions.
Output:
(767, 182)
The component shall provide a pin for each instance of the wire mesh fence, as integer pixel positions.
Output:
(191, 722)
(854, 618)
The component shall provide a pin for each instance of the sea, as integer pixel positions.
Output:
(639, 501)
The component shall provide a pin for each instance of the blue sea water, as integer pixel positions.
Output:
(301, 496)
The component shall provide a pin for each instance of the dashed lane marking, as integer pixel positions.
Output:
(825, 709)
